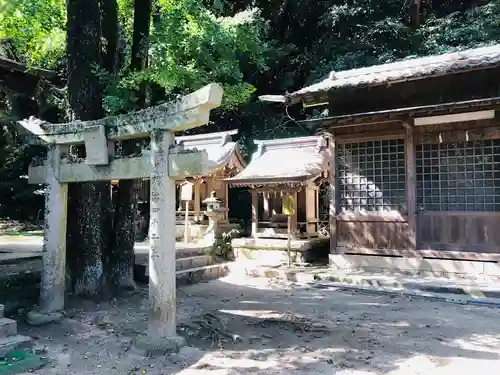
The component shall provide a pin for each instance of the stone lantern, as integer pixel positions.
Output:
(214, 212)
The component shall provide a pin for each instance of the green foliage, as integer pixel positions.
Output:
(222, 245)
(479, 25)
(20, 201)
(191, 47)
(37, 29)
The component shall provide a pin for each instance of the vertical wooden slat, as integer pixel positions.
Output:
(294, 216)
(226, 213)
(310, 194)
(255, 207)
(266, 214)
(332, 176)
(197, 200)
(411, 182)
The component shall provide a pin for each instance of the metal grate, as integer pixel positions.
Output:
(461, 176)
(372, 176)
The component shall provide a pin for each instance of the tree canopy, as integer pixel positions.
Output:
(249, 46)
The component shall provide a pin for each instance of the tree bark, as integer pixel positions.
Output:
(86, 211)
(122, 256)
(110, 35)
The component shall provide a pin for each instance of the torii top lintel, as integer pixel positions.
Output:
(188, 112)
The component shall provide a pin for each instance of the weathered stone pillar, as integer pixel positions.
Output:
(53, 283)
(162, 334)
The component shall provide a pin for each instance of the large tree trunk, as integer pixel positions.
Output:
(122, 251)
(87, 209)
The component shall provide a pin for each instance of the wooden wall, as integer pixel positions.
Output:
(375, 233)
(437, 234)
(474, 232)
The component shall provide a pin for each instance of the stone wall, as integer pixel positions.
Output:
(20, 285)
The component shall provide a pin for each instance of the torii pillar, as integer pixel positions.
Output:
(160, 164)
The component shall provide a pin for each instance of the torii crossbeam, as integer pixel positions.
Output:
(162, 164)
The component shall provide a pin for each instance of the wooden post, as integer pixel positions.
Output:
(294, 220)
(289, 241)
(255, 216)
(332, 174)
(310, 195)
(411, 182)
(186, 196)
(226, 212)
(290, 210)
(266, 213)
(186, 224)
(197, 200)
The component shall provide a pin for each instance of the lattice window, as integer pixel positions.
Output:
(459, 176)
(372, 176)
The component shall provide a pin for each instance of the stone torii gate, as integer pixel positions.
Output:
(162, 164)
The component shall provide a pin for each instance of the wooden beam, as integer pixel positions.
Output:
(458, 117)
(450, 136)
(411, 183)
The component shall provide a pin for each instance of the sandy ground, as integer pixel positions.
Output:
(254, 326)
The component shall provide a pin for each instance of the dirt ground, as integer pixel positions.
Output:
(253, 326)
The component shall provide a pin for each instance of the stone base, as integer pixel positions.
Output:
(37, 318)
(157, 346)
(451, 269)
(270, 251)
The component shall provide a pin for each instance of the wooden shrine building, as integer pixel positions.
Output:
(224, 160)
(415, 162)
(280, 167)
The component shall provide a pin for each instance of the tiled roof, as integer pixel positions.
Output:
(284, 161)
(219, 146)
(406, 69)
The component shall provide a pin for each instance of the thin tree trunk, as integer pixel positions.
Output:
(122, 255)
(86, 215)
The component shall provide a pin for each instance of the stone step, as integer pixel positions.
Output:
(190, 275)
(189, 262)
(7, 344)
(193, 262)
(8, 327)
(205, 273)
(142, 258)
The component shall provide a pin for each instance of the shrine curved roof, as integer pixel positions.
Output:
(221, 150)
(284, 161)
(406, 69)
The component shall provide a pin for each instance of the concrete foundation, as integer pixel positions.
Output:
(460, 269)
(269, 251)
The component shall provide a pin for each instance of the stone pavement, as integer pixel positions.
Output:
(449, 290)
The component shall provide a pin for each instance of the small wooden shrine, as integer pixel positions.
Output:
(224, 160)
(279, 168)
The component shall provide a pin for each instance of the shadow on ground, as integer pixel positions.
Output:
(254, 327)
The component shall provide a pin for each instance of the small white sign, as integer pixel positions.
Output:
(186, 191)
